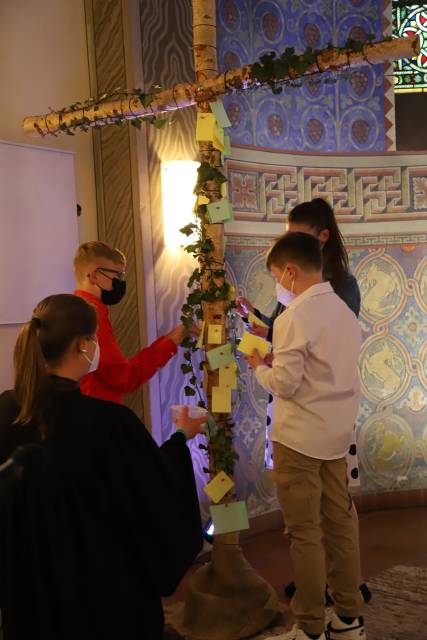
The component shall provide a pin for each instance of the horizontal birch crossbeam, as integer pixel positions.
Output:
(127, 106)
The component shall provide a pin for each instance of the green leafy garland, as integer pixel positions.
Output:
(207, 283)
(269, 71)
(84, 124)
(271, 68)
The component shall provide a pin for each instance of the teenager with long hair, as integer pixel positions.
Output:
(109, 522)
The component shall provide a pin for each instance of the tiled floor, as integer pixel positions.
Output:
(387, 538)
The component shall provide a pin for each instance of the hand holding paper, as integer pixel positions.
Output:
(250, 343)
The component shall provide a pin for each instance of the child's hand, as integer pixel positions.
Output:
(255, 360)
(262, 332)
(268, 360)
(243, 307)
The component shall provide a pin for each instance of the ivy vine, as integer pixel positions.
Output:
(208, 284)
(271, 69)
(84, 124)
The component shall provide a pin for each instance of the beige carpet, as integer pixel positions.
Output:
(398, 610)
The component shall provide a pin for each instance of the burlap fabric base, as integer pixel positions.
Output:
(226, 599)
(398, 610)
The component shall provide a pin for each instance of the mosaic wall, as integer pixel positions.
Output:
(356, 114)
(358, 194)
(392, 422)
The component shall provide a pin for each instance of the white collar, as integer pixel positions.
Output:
(311, 292)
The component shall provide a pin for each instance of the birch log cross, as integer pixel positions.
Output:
(128, 106)
(226, 599)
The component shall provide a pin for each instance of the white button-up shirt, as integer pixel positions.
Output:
(314, 378)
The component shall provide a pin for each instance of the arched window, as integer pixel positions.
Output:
(408, 18)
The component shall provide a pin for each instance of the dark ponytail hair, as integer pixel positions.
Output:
(319, 215)
(57, 321)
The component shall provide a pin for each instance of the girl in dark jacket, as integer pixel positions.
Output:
(87, 548)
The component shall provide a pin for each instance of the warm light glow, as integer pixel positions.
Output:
(178, 182)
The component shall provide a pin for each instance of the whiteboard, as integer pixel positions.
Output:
(38, 227)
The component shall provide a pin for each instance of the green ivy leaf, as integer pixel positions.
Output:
(189, 391)
(186, 368)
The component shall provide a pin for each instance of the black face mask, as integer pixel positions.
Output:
(116, 294)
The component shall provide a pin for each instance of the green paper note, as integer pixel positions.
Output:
(249, 343)
(227, 146)
(220, 211)
(220, 356)
(232, 516)
(220, 114)
(221, 400)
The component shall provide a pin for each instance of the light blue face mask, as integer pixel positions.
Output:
(95, 360)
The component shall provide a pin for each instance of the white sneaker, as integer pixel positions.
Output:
(339, 630)
(295, 634)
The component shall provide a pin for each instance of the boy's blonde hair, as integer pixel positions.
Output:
(90, 251)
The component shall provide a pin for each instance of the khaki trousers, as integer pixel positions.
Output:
(317, 509)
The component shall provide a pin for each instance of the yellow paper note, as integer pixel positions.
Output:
(215, 334)
(199, 343)
(224, 189)
(228, 376)
(250, 342)
(221, 400)
(218, 138)
(202, 200)
(219, 486)
(254, 320)
(206, 127)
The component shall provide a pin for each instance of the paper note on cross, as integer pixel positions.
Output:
(201, 199)
(215, 334)
(199, 343)
(224, 190)
(249, 343)
(227, 146)
(228, 376)
(205, 127)
(219, 486)
(220, 356)
(220, 211)
(218, 139)
(232, 516)
(220, 114)
(221, 400)
(253, 319)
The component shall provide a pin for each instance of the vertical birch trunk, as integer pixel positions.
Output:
(226, 598)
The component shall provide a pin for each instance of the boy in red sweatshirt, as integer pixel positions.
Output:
(100, 272)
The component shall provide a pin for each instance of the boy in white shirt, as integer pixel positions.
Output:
(315, 383)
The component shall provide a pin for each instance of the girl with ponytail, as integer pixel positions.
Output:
(87, 550)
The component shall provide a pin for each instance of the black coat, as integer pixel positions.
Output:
(93, 539)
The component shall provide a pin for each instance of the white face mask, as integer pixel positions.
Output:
(284, 296)
(95, 360)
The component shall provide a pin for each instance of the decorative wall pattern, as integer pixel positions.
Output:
(392, 422)
(356, 114)
(378, 191)
(375, 191)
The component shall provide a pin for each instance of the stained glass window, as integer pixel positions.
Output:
(411, 75)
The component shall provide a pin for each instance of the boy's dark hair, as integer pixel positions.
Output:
(302, 249)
